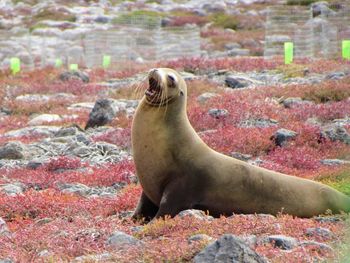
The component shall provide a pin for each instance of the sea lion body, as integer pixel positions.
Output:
(178, 171)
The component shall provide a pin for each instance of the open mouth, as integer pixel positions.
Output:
(154, 88)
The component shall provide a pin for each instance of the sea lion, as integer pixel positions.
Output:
(178, 171)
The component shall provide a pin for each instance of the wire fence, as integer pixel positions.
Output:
(315, 35)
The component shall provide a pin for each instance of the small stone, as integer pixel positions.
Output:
(66, 131)
(236, 82)
(292, 102)
(137, 229)
(334, 162)
(12, 151)
(241, 156)
(12, 189)
(327, 219)
(44, 118)
(281, 136)
(198, 214)
(258, 123)
(4, 230)
(319, 231)
(79, 75)
(44, 253)
(43, 221)
(235, 52)
(336, 75)
(119, 238)
(199, 237)
(283, 242)
(205, 97)
(320, 246)
(77, 188)
(6, 260)
(228, 248)
(336, 133)
(34, 164)
(218, 113)
(93, 258)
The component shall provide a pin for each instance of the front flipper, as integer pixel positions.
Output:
(145, 209)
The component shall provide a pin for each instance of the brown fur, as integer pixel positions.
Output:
(178, 171)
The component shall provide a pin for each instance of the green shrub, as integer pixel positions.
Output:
(225, 21)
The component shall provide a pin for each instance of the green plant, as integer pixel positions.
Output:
(225, 21)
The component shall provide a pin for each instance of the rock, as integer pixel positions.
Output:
(218, 113)
(79, 75)
(120, 239)
(241, 156)
(83, 190)
(234, 45)
(205, 97)
(259, 123)
(4, 230)
(66, 131)
(283, 242)
(33, 130)
(34, 164)
(336, 75)
(12, 189)
(199, 237)
(101, 114)
(77, 188)
(44, 253)
(236, 81)
(320, 246)
(336, 133)
(102, 19)
(321, 8)
(281, 136)
(327, 219)
(251, 240)
(235, 52)
(333, 162)
(5, 111)
(194, 213)
(43, 221)
(319, 231)
(6, 260)
(137, 229)
(94, 258)
(228, 248)
(33, 98)
(13, 151)
(291, 102)
(44, 118)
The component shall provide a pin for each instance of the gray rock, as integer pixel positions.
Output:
(44, 253)
(241, 156)
(33, 98)
(121, 239)
(66, 131)
(281, 136)
(194, 213)
(320, 246)
(333, 162)
(319, 231)
(34, 130)
(34, 164)
(260, 123)
(321, 8)
(235, 52)
(336, 75)
(228, 248)
(4, 230)
(13, 151)
(44, 118)
(199, 237)
(237, 81)
(234, 45)
(77, 188)
(79, 75)
(283, 242)
(101, 114)
(251, 240)
(102, 19)
(291, 102)
(6, 260)
(336, 133)
(327, 219)
(5, 111)
(137, 229)
(93, 258)
(218, 113)
(12, 189)
(205, 97)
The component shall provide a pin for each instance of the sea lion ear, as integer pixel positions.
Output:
(181, 92)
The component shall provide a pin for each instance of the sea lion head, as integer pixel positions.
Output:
(165, 86)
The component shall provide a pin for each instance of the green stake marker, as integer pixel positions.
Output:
(73, 66)
(346, 49)
(106, 61)
(15, 65)
(288, 52)
(58, 63)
